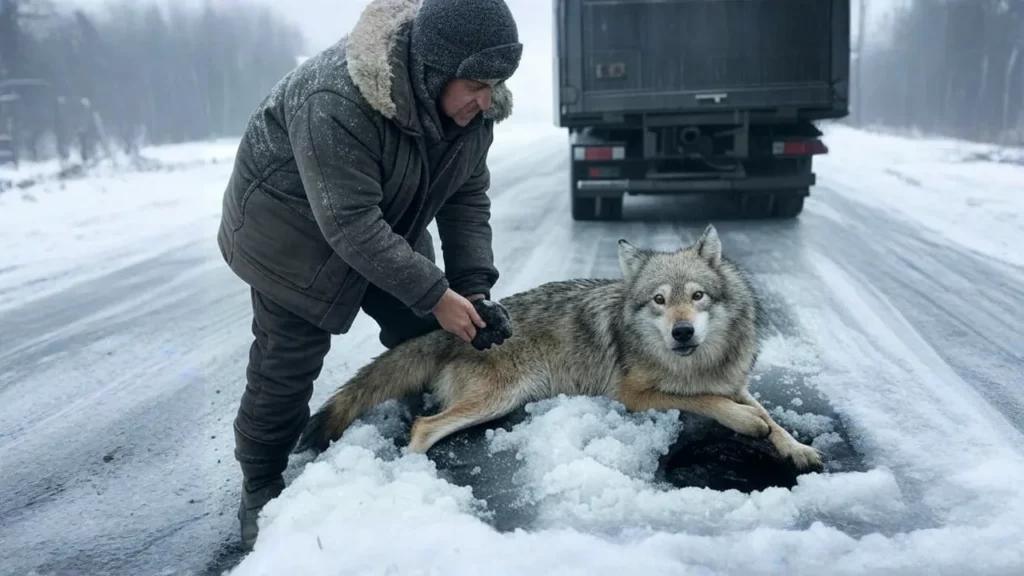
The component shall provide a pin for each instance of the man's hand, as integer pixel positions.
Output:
(457, 315)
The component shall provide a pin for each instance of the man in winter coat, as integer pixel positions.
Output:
(340, 170)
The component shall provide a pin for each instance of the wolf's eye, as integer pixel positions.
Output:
(659, 299)
(698, 295)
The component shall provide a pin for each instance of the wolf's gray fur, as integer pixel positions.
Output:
(678, 331)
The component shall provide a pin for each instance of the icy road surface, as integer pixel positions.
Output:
(897, 300)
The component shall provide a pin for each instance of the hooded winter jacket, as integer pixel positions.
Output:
(336, 180)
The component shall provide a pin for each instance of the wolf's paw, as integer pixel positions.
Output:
(804, 457)
(745, 420)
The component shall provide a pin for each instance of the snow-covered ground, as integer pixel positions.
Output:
(971, 194)
(942, 492)
(60, 232)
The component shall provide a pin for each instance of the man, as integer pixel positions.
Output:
(340, 170)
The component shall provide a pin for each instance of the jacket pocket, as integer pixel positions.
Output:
(281, 243)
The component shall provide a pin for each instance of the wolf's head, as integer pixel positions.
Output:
(690, 301)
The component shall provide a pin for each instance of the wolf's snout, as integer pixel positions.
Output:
(682, 332)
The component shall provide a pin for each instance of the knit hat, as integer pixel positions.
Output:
(473, 39)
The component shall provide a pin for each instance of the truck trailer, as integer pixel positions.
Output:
(698, 96)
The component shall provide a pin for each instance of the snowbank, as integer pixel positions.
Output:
(970, 194)
(58, 232)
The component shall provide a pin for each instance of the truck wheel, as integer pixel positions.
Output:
(755, 206)
(586, 209)
(583, 209)
(611, 208)
(788, 206)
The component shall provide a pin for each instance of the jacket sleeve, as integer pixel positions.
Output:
(463, 224)
(337, 154)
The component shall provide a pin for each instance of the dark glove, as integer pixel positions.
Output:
(499, 325)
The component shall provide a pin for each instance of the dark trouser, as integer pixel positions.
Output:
(286, 356)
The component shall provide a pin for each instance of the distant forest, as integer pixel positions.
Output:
(947, 67)
(135, 73)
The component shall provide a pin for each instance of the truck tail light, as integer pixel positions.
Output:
(593, 153)
(799, 147)
(597, 172)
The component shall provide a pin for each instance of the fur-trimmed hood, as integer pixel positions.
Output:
(377, 56)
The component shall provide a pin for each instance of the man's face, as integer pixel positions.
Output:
(462, 99)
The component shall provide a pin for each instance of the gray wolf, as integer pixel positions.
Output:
(340, 170)
(678, 330)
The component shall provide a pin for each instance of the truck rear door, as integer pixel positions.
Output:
(679, 55)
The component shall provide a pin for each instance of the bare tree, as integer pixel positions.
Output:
(138, 73)
(949, 67)
(862, 16)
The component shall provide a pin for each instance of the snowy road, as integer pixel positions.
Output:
(119, 381)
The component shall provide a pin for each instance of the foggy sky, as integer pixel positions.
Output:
(325, 21)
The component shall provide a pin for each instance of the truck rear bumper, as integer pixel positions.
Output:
(616, 187)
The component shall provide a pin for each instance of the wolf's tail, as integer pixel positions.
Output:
(406, 369)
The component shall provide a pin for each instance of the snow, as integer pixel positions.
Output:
(61, 232)
(971, 195)
(364, 507)
(941, 492)
(58, 233)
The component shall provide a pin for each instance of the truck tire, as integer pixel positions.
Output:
(755, 206)
(788, 205)
(611, 208)
(587, 209)
(583, 209)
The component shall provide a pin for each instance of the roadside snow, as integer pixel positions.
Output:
(60, 232)
(57, 233)
(971, 194)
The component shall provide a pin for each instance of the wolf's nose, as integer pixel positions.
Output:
(682, 332)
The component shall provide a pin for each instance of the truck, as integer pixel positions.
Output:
(698, 96)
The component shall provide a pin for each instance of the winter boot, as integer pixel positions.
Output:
(254, 498)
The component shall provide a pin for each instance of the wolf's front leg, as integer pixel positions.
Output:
(734, 416)
(803, 456)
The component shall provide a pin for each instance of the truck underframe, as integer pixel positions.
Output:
(763, 164)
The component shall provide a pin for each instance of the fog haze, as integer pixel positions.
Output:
(323, 22)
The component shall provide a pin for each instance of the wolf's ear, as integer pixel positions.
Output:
(708, 246)
(630, 258)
